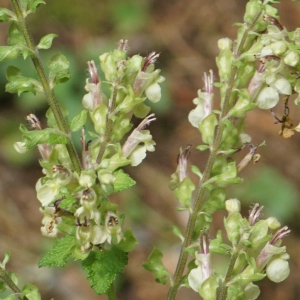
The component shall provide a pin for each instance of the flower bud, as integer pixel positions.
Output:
(278, 48)
(278, 270)
(273, 223)
(291, 59)
(233, 205)
(267, 98)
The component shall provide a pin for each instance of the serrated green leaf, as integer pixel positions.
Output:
(59, 69)
(6, 15)
(59, 253)
(123, 181)
(128, 242)
(156, 267)
(103, 266)
(78, 121)
(9, 52)
(31, 292)
(46, 41)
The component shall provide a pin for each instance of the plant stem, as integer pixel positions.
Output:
(5, 278)
(199, 195)
(49, 94)
(111, 295)
(224, 289)
(109, 125)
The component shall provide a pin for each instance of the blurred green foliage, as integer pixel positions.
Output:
(268, 187)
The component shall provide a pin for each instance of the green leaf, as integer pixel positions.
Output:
(230, 135)
(5, 260)
(6, 15)
(16, 38)
(31, 292)
(33, 5)
(46, 41)
(178, 233)
(243, 105)
(128, 242)
(202, 147)
(234, 224)
(123, 181)
(57, 138)
(78, 121)
(156, 267)
(59, 253)
(19, 84)
(207, 128)
(8, 52)
(51, 122)
(208, 289)
(217, 246)
(59, 69)
(103, 266)
(229, 176)
(184, 192)
(216, 201)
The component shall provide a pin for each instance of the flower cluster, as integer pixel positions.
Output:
(76, 200)
(255, 253)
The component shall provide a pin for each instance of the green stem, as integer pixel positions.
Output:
(109, 125)
(111, 295)
(5, 278)
(224, 289)
(49, 94)
(199, 195)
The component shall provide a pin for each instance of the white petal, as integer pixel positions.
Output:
(267, 98)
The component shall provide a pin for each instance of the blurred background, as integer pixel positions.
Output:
(185, 33)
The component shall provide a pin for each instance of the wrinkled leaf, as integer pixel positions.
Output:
(46, 41)
(156, 267)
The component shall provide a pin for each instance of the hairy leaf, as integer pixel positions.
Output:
(102, 268)
(123, 181)
(59, 253)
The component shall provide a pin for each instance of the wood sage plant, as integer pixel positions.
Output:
(259, 69)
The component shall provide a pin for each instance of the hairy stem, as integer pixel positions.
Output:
(199, 195)
(109, 125)
(5, 278)
(224, 289)
(49, 94)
